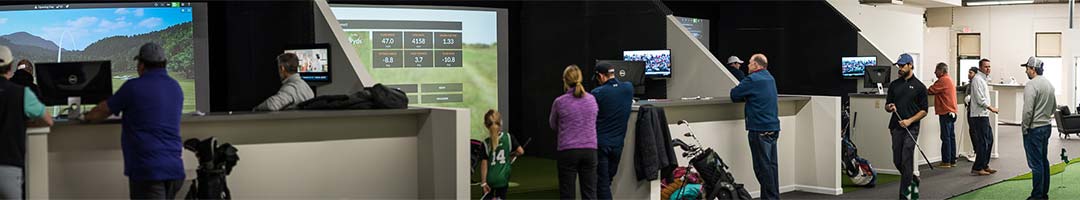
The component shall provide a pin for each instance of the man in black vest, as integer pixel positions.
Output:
(18, 105)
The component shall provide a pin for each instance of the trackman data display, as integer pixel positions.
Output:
(438, 57)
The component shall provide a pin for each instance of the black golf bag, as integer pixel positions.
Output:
(719, 183)
(477, 151)
(215, 162)
(856, 168)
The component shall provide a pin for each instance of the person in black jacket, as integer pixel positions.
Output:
(907, 99)
(18, 107)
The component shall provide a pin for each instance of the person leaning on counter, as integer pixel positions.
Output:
(150, 138)
(293, 89)
(758, 90)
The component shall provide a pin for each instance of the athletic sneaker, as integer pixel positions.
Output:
(945, 165)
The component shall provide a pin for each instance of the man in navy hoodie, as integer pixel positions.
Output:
(614, 98)
(758, 90)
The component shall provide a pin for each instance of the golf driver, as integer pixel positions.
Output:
(928, 163)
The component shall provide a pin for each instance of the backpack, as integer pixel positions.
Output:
(388, 98)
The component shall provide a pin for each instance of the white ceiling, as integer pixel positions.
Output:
(933, 3)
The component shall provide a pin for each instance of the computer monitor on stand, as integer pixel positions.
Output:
(74, 84)
(877, 76)
(630, 71)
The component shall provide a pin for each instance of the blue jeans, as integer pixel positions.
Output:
(606, 166)
(948, 138)
(11, 182)
(763, 151)
(1035, 142)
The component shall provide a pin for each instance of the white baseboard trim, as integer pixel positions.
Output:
(803, 188)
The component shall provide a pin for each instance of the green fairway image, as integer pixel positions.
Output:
(478, 76)
(188, 86)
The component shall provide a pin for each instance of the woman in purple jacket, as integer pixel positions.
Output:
(574, 115)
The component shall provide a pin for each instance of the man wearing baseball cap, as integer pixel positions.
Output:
(907, 99)
(17, 106)
(150, 138)
(1039, 104)
(614, 99)
(734, 65)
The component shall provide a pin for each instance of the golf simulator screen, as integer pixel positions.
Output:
(439, 56)
(61, 33)
(698, 27)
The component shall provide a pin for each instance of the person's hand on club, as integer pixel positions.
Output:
(890, 107)
(487, 189)
(905, 123)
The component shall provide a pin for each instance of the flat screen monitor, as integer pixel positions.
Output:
(78, 32)
(89, 80)
(632, 71)
(856, 66)
(877, 74)
(314, 62)
(657, 62)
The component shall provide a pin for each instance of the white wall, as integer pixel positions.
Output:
(893, 29)
(697, 66)
(1008, 38)
(939, 48)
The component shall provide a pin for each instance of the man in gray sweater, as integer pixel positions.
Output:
(1039, 104)
(293, 89)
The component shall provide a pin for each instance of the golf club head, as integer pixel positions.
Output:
(682, 145)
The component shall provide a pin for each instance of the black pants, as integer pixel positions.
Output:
(982, 139)
(154, 189)
(903, 148)
(580, 164)
(496, 193)
(607, 166)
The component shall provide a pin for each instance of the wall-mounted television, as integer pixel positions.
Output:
(657, 62)
(855, 67)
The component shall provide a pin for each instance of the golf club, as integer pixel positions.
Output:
(928, 163)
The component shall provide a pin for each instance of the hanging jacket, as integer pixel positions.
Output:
(653, 151)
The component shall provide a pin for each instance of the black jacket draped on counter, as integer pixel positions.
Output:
(653, 154)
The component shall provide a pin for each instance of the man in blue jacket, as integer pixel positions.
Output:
(758, 90)
(614, 99)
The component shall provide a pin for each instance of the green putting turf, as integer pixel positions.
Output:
(882, 179)
(531, 178)
(1064, 184)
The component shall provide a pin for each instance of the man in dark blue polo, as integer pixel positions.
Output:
(614, 99)
(907, 99)
(151, 106)
(758, 90)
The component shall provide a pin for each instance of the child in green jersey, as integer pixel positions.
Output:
(502, 149)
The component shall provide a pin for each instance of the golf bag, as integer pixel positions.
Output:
(856, 168)
(720, 184)
(215, 162)
(477, 150)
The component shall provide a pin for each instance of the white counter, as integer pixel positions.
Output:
(1011, 99)
(871, 134)
(364, 154)
(808, 147)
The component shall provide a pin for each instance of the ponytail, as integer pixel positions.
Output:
(579, 91)
(572, 78)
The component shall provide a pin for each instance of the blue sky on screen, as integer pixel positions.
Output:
(81, 27)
